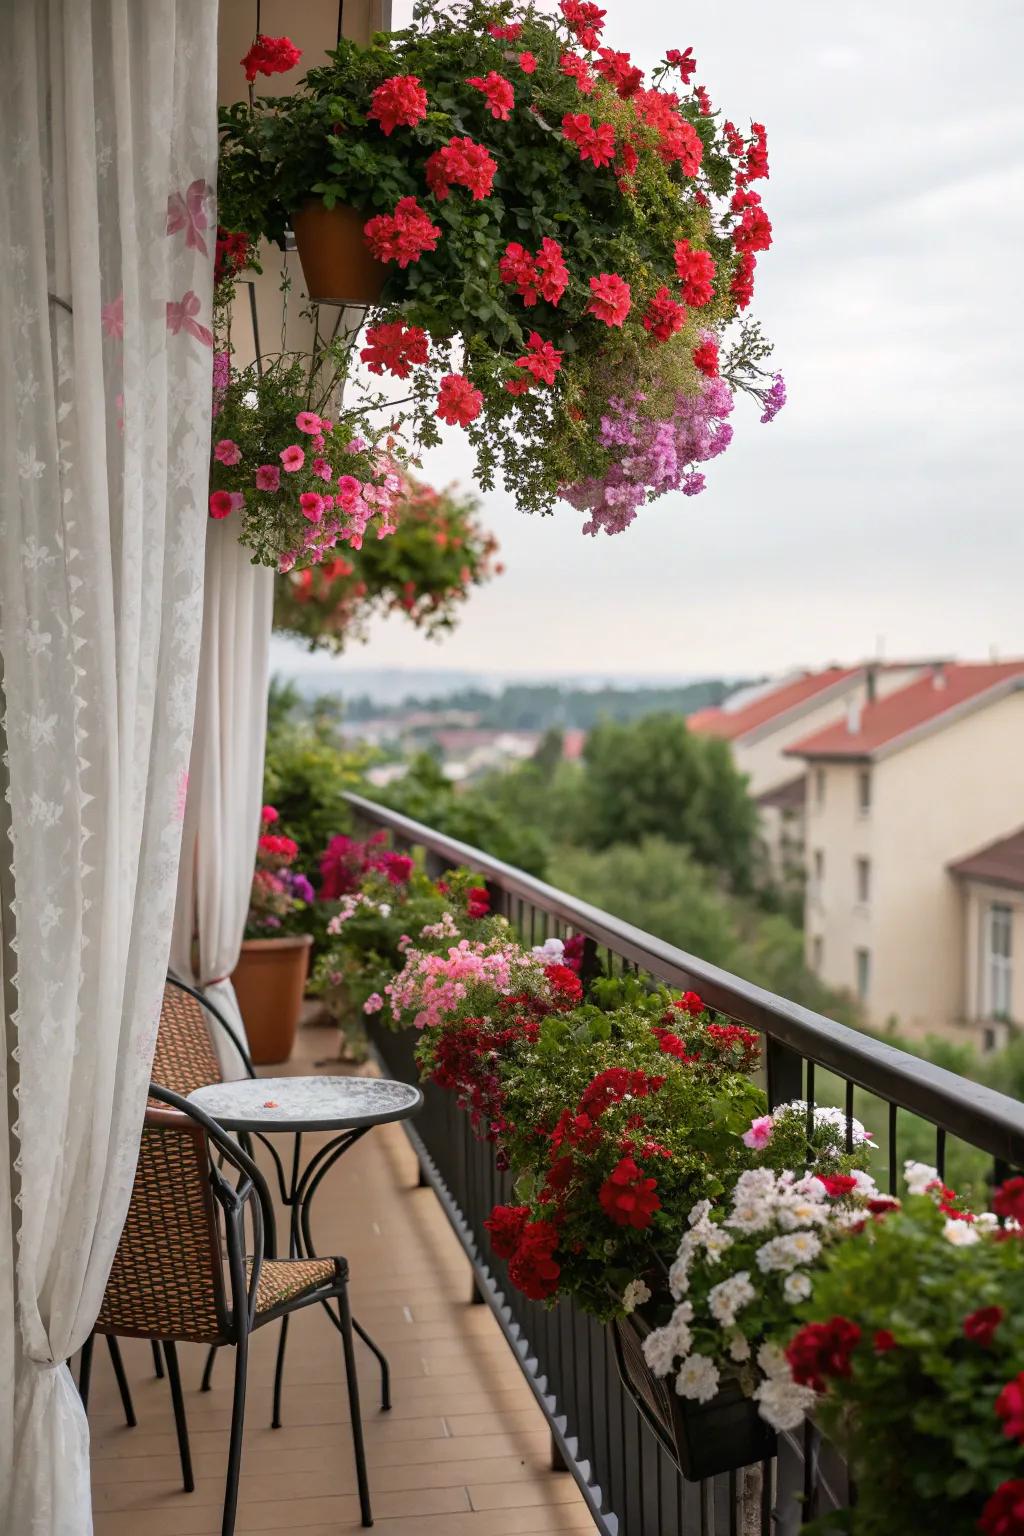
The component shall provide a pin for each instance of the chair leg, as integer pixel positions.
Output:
(85, 1371)
(180, 1422)
(345, 1316)
(211, 1356)
(235, 1446)
(275, 1422)
(385, 1369)
(122, 1381)
(158, 1361)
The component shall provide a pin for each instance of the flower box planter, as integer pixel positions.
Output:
(336, 264)
(269, 981)
(703, 1439)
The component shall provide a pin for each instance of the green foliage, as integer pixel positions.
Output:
(654, 778)
(470, 816)
(918, 1422)
(307, 773)
(544, 706)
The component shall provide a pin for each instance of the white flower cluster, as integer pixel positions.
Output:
(827, 1115)
(782, 1402)
(350, 905)
(551, 952)
(635, 1294)
(445, 929)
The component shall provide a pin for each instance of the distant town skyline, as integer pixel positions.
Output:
(885, 500)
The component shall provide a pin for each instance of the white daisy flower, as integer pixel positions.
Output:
(660, 1351)
(635, 1294)
(729, 1297)
(797, 1286)
(698, 1379)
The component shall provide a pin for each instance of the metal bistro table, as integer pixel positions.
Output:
(347, 1106)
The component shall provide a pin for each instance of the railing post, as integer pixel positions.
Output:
(558, 1462)
(785, 1073)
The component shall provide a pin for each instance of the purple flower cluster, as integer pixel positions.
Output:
(774, 399)
(655, 456)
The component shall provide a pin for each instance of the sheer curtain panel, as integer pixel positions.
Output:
(107, 226)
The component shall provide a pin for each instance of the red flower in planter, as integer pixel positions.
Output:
(542, 359)
(478, 901)
(1010, 1408)
(533, 1269)
(402, 236)
(884, 1341)
(506, 34)
(505, 1224)
(462, 163)
(1003, 1515)
(822, 1349)
(611, 298)
(612, 1085)
(980, 1327)
(400, 102)
(458, 403)
(1008, 1200)
(628, 1197)
(585, 19)
(620, 71)
(664, 317)
(837, 1184)
(754, 231)
(579, 70)
(395, 347)
(684, 62)
(565, 984)
(594, 142)
(742, 285)
(501, 98)
(705, 359)
(270, 56)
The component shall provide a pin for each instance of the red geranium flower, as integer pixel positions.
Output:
(458, 403)
(611, 298)
(1010, 1408)
(696, 271)
(534, 1269)
(542, 276)
(822, 1349)
(518, 386)
(506, 34)
(527, 63)
(394, 346)
(231, 253)
(478, 901)
(565, 984)
(754, 231)
(980, 1327)
(884, 1341)
(269, 815)
(691, 1003)
(628, 1197)
(620, 71)
(402, 236)
(703, 100)
(585, 19)
(1003, 1515)
(1008, 1200)
(756, 168)
(400, 102)
(579, 70)
(742, 285)
(837, 1184)
(461, 163)
(505, 1224)
(596, 143)
(501, 98)
(270, 56)
(705, 359)
(277, 846)
(664, 316)
(541, 359)
(684, 62)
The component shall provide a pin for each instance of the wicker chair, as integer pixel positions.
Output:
(168, 1280)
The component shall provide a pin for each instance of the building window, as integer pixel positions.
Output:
(864, 791)
(1000, 960)
(819, 787)
(863, 960)
(863, 881)
(817, 952)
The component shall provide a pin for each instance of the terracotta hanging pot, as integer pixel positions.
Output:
(269, 981)
(336, 262)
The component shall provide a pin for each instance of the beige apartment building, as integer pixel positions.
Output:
(903, 790)
(762, 724)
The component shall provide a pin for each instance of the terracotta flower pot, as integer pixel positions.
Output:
(336, 262)
(269, 981)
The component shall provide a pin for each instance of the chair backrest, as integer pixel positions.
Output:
(185, 1058)
(167, 1281)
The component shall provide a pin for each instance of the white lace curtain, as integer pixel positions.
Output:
(108, 128)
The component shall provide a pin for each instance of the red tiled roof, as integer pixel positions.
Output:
(923, 703)
(730, 724)
(1000, 863)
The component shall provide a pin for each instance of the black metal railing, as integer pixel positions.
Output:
(626, 1474)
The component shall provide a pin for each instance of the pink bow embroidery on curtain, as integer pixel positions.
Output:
(182, 317)
(189, 214)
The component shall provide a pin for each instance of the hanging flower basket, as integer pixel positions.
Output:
(703, 1439)
(569, 244)
(337, 265)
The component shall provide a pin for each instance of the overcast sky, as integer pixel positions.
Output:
(884, 505)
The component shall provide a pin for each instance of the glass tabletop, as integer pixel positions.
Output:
(307, 1103)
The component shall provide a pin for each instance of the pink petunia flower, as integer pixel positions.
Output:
(760, 1133)
(268, 477)
(308, 421)
(227, 452)
(312, 506)
(323, 469)
(220, 504)
(292, 458)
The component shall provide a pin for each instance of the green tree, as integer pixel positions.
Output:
(653, 778)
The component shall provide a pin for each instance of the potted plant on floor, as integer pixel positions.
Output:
(270, 976)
